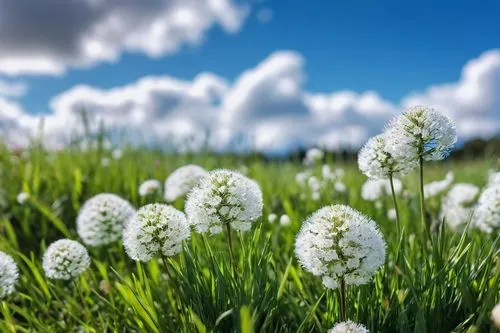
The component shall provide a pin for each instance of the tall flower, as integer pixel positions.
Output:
(155, 230)
(373, 190)
(458, 204)
(149, 187)
(102, 218)
(437, 187)
(375, 161)
(313, 155)
(224, 198)
(348, 327)
(9, 274)
(182, 180)
(65, 259)
(487, 216)
(337, 243)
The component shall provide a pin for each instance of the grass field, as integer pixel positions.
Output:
(448, 284)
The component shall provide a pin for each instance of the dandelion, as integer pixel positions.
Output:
(436, 188)
(487, 215)
(182, 180)
(271, 218)
(149, 187)
(348, 327)
(285, 220)
(495, 315)
(9, 274)
(313, 156)
(102, 218)
(155, 230)
(65, 259)
(458, 204)
(22, 198)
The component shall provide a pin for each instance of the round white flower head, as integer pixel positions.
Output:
(22, 198)
(8, 275)
(339, 242)
(224, 197)
(65, 259)
(149, 187)
(493, 179)
(348, 327)
(102, 218)
(340, 187)
(182, 180)
(155, 230)
(313, 155)
(271, 218)
(375, 189)
(302, 177)
(458, 204)
(376, 162)
(487, 215)
(435, 188)
(285, 220)
(495, 315)
(421, 132)
(391, 214)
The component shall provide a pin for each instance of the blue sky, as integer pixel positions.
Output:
(393, 48)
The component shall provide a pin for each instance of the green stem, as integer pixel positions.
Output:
(398, 223)
(425, 226)
(172, 281)
(230, 246)
(343, 307)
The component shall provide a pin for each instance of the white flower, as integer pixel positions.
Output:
(65, 259)
(149, 187)
(373, 190)
(391, 214)
(272, 218)
(155, 230)
(224, 197)
(314, 183)
(105, 162)
(376, 162)
(102, 218)
(339, 242)
(285, 220)
(435, 188)
(22, 198)
(316, 196)
(327, 173)
(313, 155)
(487, 215)
(458, 204)
(340, 187)
(348, 327)
(495, 315)
(493, 179)
(420, 132)
(117, 154)
(9, 274)
(302, 177)
(182, 180)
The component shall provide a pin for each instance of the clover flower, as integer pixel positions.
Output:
(155, 230)
(149, 187)
(313, 155)
(420, 132)
(435, 188)
(182, 180)
(337, 242)
(458, 204)
(65, 259)
(22, 198)
(102, 218)
(348, 327)
(487, 215)
(375, 189)
(375, 161)
(9, 274)
(224, 197)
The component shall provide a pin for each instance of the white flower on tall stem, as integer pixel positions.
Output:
(149, 187)
(487, 215)
(9, 273)
(458, 204)
(313, 156)
(182, 180)
(22, 198)
(348, 327)
(436, 188)
(65, 259)
(285, 220)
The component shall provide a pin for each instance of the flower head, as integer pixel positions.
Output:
(421, 132)
(313, 155)
(22, 198)
(149, 187)
(102, 218)
(375, 161)
(182, 180)
(8, 274)
(339, 242)
(458, 204)
(493, 178)
(348, 327)
(271, 218)
(155, 230)
(285, 220)
(495, 315)
(487, 215)
(65, 259)
(435, 188)
(373, 190)
(224, 197)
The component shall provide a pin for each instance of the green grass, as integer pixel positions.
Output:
(449, 285)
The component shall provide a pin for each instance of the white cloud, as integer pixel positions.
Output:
(12, 89)
(266, 108)
(47, 37)
(265, 15)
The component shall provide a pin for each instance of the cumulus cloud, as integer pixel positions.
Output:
(12, 89)
(47, 37)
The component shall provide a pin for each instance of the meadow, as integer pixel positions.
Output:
(447, 282)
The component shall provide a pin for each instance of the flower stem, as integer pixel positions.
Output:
(343, 308)
(425, 226)
(230, 246)
(398, 223)
(172, 281)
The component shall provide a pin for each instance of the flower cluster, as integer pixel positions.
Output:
(224, 197)
(9, 274)
(376, 162)
(102, 218)
(487, 216)
(373, 190)
(316, 183)
(435, 188)
(338, 242)
(149, 187)
(182, 180)
(348, 327)
(458, 204)
(65, 259)
(421, 132)
(155, 230)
